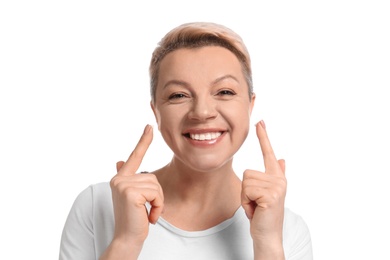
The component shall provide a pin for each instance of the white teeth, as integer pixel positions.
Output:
(205, 136)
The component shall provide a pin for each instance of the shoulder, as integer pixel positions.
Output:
(101, 190)
(91, 198)
(292, 219)
(296, 236)
(91, 208)
(89, 224)
(94, 191)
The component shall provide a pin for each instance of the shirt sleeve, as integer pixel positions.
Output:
(77, 240)
(301, 246)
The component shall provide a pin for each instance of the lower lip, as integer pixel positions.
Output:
(206, 143)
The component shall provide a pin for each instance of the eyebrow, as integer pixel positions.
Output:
(176, 82)
(228, 76)
(185, 84)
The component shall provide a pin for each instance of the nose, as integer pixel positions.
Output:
(203, 109)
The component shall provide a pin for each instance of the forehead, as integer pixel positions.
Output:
(208, 62)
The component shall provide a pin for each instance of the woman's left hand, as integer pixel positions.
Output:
(263, 195)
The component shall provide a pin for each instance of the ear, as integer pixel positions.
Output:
(252, 104)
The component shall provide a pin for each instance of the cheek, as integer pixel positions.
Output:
(164, 118)
(239, 120)
(169, 121)
(170, 129)
(238, 115)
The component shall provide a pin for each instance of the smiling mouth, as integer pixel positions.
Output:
(204, 136)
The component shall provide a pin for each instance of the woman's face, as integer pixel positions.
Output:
(202, 106)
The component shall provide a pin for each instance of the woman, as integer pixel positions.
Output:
(202, 99)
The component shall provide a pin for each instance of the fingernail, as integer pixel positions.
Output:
(262, 123)
(147, 128)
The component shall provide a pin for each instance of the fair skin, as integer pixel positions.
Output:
(203, 110)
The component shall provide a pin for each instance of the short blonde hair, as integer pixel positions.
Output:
(196, 35)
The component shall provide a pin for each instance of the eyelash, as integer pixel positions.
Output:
(226, 92)
(176, 96)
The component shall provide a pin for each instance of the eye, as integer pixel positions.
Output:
(176, 96)
(226, 92)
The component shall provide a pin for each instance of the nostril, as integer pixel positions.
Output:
(203, 114)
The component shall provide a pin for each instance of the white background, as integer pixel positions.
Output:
(75, 98)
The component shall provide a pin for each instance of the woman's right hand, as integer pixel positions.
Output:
(130, 192)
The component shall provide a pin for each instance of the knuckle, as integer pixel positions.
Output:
(152, 178)
(114, 181)
(282, 182)
(263, 205)
(245, 183)
(245, 189)
(274, 195)
(248, 174)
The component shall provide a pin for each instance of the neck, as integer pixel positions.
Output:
(194, 199)
(197, 186)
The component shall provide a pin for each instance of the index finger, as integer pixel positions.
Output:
(270, 162)
(134, 161)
